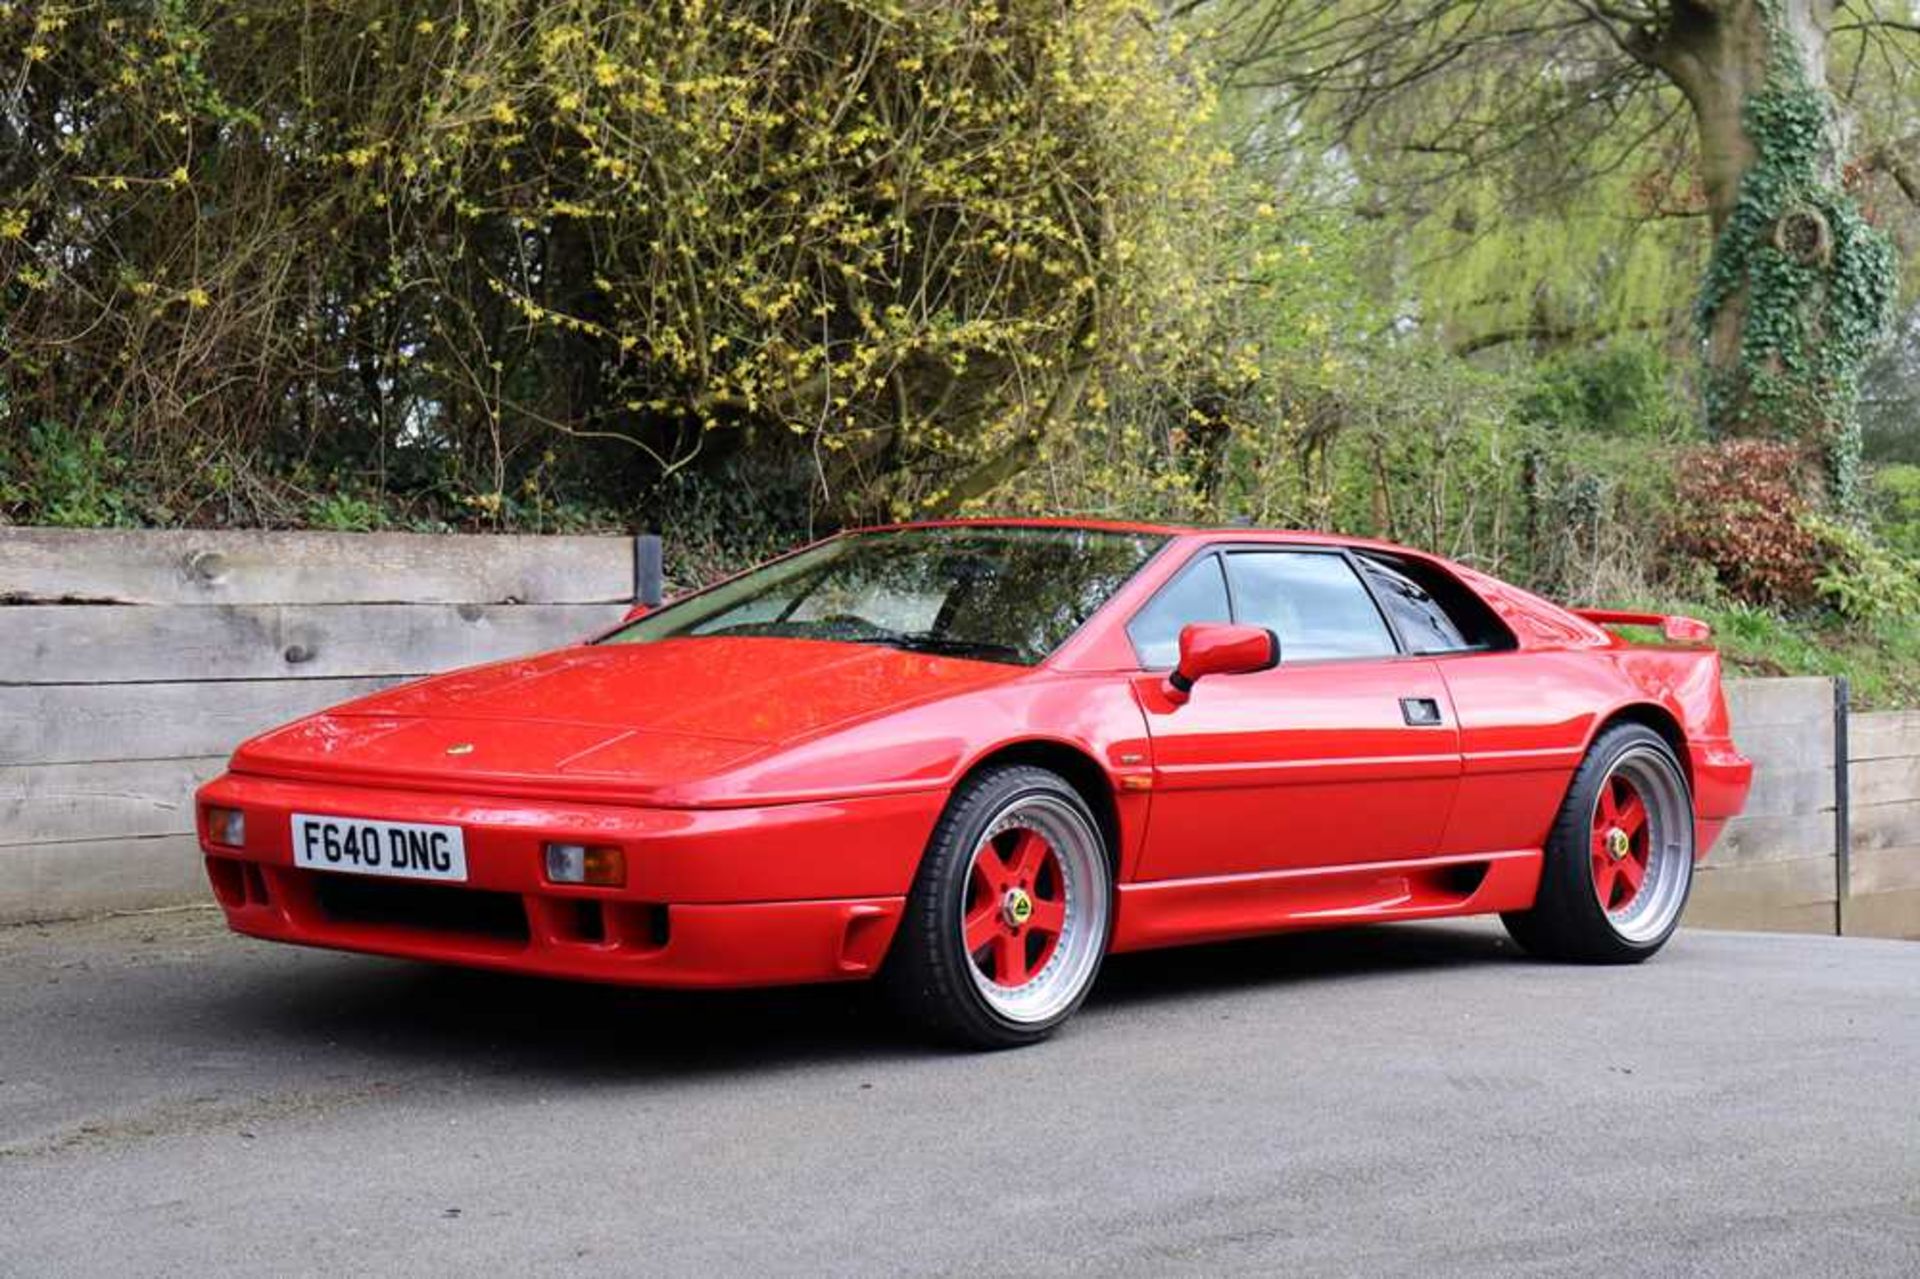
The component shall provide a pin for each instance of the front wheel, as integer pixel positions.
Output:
(1009, 915)
(1619, 861)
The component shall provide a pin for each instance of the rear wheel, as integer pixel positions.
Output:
(1619, 862)
(1009, 915)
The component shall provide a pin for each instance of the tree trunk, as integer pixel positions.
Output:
(1799, 288)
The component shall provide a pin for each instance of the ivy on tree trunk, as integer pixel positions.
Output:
(1799, 289)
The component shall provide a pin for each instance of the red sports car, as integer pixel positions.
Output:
(972, 758)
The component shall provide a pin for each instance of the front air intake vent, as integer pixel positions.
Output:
(427, 908)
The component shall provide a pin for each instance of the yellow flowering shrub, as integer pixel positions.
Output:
(896, 245)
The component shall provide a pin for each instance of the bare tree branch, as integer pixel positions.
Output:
(1899, 160)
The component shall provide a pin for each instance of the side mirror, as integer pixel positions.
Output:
(637, 612)
(1216, 648)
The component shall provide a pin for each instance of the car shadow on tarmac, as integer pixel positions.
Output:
(1312, 956)
(411, 1012)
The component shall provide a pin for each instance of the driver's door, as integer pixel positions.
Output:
(1346, 752)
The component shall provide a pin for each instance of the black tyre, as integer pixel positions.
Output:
(1619, 861)
(1009, 915)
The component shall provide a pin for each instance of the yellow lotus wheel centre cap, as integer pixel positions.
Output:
(1017, 906)
(1618, 845)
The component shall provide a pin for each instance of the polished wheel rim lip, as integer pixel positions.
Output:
(1640, 851)
(1067, 900)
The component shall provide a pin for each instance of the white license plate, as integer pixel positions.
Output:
(360, 846)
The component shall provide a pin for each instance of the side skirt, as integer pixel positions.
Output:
(1174, 912)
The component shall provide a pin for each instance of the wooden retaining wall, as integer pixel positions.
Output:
(1774, 868)
(1883, 898)
(1793, 862)
(132, 662)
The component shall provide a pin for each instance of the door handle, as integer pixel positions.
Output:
(1420, 712)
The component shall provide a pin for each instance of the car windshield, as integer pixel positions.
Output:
(996, 593)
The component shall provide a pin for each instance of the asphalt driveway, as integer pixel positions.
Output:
(1402, 1100)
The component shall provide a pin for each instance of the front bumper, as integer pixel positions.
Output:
(776, 895)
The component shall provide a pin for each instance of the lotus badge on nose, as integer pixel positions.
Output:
(460, 748)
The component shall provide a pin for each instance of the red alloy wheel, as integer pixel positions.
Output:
(1016, 906)
(1621, 846)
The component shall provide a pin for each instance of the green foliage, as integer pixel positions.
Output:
(1400, 440)
(1623, 389)
(1535, 184)
(1894, 505)
(1816, 281)
(1222, 423)
(1609, 255)
(66, 478)
(717, 526)
(1864, 580)
(346, 513)
(1890, 395)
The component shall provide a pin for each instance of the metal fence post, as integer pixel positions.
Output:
(648, 573)
(1842, 817)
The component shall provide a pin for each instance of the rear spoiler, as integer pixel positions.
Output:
(1677, 629)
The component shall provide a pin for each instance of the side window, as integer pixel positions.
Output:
(1198, 594)
(1313, 601)
(1422, 622)
(1435, 611)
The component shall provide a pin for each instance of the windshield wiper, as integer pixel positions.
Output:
(945, 645)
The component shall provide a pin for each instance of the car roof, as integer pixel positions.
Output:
(1197, 532)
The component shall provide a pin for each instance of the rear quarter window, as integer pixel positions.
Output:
(1431, 609)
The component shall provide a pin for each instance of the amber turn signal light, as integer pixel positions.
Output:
(226, 826)
(605, 867)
